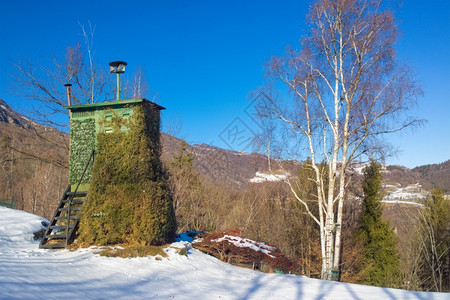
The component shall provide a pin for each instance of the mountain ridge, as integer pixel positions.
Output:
(10, 116)
(236, 169)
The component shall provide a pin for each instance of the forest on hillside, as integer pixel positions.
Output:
(317, 189)
(261, 211)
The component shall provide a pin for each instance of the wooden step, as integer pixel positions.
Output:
(58, 227)
(70, 201)
(75, 201)
(52, 246)
(77, 194)
(56, 236)
(71, 209)
(65, 218)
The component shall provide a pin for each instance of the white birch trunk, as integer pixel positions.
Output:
(346, 85)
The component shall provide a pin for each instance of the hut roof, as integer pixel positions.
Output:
(112, 104)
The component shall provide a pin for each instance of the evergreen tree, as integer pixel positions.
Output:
(129, 199)
(381, 259)
(435, 243)
(184, 160)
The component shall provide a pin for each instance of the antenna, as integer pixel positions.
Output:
(117, 67)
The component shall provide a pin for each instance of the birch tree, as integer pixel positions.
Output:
(333, 101)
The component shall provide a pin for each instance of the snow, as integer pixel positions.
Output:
(239, 153)
(261, 177)
(28, 272)
(410, 192)
(357, 167)
(247, 243)
(403, 202)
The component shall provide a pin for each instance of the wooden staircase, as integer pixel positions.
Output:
(64, 224)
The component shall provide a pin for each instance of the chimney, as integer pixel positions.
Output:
(68, 92)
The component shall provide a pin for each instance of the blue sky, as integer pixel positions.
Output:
(202, 59)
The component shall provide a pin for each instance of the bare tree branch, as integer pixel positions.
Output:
(341, 91)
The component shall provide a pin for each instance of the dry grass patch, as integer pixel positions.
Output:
(124, 250)
(135, 250)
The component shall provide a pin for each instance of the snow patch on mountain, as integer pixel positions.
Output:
(410, 192)
(262, 177)
(403, 202)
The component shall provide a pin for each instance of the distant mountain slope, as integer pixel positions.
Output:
(8, 115)
(400, 174)
(435, 174)
(231, 168)
(429, 176)
(237, 168)
(31, 139)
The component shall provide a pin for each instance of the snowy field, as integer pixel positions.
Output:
(27, 272)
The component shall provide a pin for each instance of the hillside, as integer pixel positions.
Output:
(9, 116)
(435, 175)
(428, 176)
(35, 155)
(33, 163)
(235, 192)
(237, 169)
(32, 273)
(230, 168)
(31, 139)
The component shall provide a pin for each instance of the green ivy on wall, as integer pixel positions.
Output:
(129, 197)
(82, 142)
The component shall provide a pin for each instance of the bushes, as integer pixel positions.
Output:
(129, 199)
(233, 248)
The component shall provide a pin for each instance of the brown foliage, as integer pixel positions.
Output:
(219, 244)
(33, 169)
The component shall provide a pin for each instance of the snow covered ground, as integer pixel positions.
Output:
(27, 272)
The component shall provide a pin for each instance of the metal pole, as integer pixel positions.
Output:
(118, 86)
(68, 94)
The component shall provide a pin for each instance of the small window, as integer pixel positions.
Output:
(108, 117)
(108, 130)
(126, 115)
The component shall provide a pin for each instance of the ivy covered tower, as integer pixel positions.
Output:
(129, 198)
(87, 121)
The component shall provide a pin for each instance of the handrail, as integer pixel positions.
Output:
(91, 158)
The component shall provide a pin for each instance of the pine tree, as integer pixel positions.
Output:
(184, 160)
(381, 259)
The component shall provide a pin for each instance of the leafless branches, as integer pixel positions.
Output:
(43, 84)
(339, 94)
